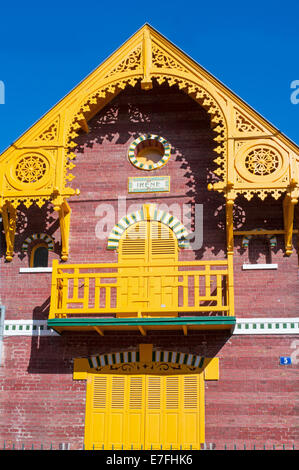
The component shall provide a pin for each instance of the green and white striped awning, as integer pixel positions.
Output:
(127, 357)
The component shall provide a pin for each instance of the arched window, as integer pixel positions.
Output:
(39, 256)
(148, 241)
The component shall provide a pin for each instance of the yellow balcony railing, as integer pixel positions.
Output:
(158, 290)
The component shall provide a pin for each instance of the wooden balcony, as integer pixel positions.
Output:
(108, 295)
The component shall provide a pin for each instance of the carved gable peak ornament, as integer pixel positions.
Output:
(132, 62)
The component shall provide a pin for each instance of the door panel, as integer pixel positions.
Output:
(148, 243)
(133, 253)
(134, 432)
(116, 417)
(96, 411)
(172, 399)
(152, 409)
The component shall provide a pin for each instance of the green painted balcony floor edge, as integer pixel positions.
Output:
(187, 323)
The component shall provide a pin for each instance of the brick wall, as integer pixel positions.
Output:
(254, 400)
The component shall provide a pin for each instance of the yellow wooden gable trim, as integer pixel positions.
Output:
(37, 168)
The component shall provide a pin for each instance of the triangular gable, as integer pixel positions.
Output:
(37, 167)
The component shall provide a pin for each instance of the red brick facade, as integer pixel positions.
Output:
(254, 401)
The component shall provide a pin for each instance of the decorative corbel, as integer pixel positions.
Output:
(230, 198)
(146, 82)
(289, 203)
(64, 211)
(9, 217)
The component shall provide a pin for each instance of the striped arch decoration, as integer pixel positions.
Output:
(41, 237)
(146, 137)
(154, 214)
(246, 239)
(128, 357)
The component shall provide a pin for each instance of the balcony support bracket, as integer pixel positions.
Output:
(9, 217)
(64, 211)
(99, 330)
(288, 218)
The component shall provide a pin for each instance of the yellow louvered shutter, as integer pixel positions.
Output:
(143, 245)
(116, 421)
(135, 412)
(133, 245)
(171, 420)
(96, 411)
(153, 414)
(163, 249)
(133, 254)
(190, 425)
(163, 244)
(144, 411)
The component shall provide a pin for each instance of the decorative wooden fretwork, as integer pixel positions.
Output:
(262, 161)
(261, 164)
(244, 125)
(156, 362)
(50, 134)
(31, 168)
(163, 61)
(130, 63)
(129, 362)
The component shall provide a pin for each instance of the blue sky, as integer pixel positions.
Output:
(46, 49)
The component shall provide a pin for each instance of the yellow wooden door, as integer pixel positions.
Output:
(144, 412)
(163, 251)
(148, 253)
(174, 411)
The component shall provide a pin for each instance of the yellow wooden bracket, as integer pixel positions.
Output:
(9, 216)
(229, 226)
(64, 211)
(99, 330)
(142, 330)
(288, 218)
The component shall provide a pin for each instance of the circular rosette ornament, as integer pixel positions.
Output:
(261, 164)
(31, 171)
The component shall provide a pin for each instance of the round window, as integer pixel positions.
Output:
(149, 152)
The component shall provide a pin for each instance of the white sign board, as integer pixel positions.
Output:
(149, 184)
